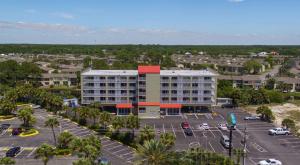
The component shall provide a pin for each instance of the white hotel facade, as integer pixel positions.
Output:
(150, 92)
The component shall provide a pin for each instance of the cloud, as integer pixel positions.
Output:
(64, 15)
(41, 26)
(236, 1)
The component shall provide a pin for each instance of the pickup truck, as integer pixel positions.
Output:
(279, 131)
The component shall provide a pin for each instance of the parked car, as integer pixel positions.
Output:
(270, 162)
(204, 126)
(224, 141)
(35, 106)
(279, 131)
(188, 132)
(222, 127)
(227, 106)
(253, 117)
(4, 126)
(102, 161)
(16, 131)
(185, 125)
(12, 152)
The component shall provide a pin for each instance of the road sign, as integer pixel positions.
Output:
(231, 119)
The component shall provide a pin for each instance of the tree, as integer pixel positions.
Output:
(289, 124)
(26, 116)
(94, 114)
(83, 115)
(88, 148)
(52, 122)
(64, 139)
(6, 107)
(146, 134)
(44, 152)
(152, 152)
(238, 154)
(266, 113)
(118, 123)
(252, 66)
(270, 84)
(105, 118)
(168, 139)
(87, 62)
(7, 161)
(132, 122)
(284, 87)
(83, 161)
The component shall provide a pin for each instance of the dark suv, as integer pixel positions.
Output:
(12, 152)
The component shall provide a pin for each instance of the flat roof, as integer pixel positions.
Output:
(110, 72)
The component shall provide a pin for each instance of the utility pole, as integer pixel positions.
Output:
(230, 141)
(245, 151)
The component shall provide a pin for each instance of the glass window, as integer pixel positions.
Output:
(142, 110)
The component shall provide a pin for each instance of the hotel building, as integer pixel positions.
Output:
(150, 92)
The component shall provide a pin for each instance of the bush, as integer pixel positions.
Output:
(275, 97)
(123, 137)
(62, 152)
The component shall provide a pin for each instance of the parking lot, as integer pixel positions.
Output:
(259, 145)
(114, 151)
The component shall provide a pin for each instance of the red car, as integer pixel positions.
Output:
(185, 125)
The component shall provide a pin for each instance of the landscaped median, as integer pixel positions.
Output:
(28, 133)
(7, 117)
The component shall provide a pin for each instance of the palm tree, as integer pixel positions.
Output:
(52, 122)
(168, 139)
(132, 122)
(7, 161)
(118, 123)
(94, 114)
(238, 153)
(83, 161)
(26, 116)
(152, 152)
(44, 152)
(105, 118)
(147, 133)
(64, 139)
(7, 107)
(83, 115)
(89, 148)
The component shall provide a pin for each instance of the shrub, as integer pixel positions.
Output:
(62, 152)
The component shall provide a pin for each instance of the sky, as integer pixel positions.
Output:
(171, 22)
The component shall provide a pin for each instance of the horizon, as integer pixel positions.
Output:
(132, 22)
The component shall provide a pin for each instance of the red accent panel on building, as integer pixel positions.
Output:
(148, 104)
(124, 106)
(170, 106)
(149, 69)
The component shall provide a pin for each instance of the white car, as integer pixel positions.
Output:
(222, 127)
(278, 131)
(270, 162)
(204, 126)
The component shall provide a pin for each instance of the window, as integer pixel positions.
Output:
(123, 78)
(142, 97)
(132, 91)
(165, 99)
(186, 92)
(207, 78)
(111, 84)
(123, 92)
(102, 84)
(195, 92)
(186, 85)
(165, 84)
(131, 78)
(142, 110)
(111, 99)
(102, 99)
(132, 99)
(123, 85)
(102, 91)
(174, 84)
(174, 92)
(174, 78)
(132, 84)
(195, 85)
(206, 92)
(164, 92)
(124, 98)
(142, 83)
(165, 78)
(111, 78)
(195, 99)
(111, 92)
(89, 78)
(186, 99)
(102, 78)
(174, 99)
(206, 98)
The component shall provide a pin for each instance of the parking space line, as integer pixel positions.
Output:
(22, 149)
(31, 152)
(109, 144)
(196, 116)
(212, 133)
(123, 149)
(127, 153)
(173, 129)
(182, 131)
(115, 147)
(211, 146)
(164, 128)
(194, 133)
(221, 116)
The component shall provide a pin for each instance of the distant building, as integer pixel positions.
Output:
(149, 91)
(253, 81)
(58, 79)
